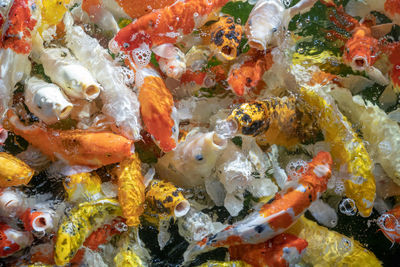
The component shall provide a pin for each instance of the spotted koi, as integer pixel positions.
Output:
(13, 171)
(389, 223)
(75, 147)
(282, 121)
(165, 25)
(275, 216)
(281, 251)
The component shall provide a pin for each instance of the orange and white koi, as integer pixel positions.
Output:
(165, 25)
(389, 223)
(275, 216)
(247, 75)
(281, 251)
(20, 22)
(100, 15)
(269, 18)
(75, 147)
(171, 60)
(38, 221)
(12, 240)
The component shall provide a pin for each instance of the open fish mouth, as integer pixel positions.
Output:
(360, 63)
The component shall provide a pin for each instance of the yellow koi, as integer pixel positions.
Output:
(13, 171)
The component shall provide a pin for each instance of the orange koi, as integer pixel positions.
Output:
(75, 147)
(392, 8)
(389, 223)
(12, 240)
(36, 220)
(19, 24)
(280, 251)
(361, 50)
(157, 108)
(275, 216)
(136, 9)
(248, 75)
(164, 25)
(394, 59)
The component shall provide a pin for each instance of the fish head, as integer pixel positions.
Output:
(390, 226)
(199, 153)
(12, 240)
(250, 118)
(225, 38)
(362, 50)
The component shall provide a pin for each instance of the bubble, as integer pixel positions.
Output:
(128, 76)
(296, 168)
(345, 245)
(388, 222)
(195, 14)
(397, 67)
(300, 50)
(339, 188)
(287, 2)
(348, 207)
(357, 179)
(141, 56)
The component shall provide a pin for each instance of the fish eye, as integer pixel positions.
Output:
(348, 50)
(7, 248)
(274, 29)
(199, 157)
(126, 45)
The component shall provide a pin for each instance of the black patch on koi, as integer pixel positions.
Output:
(175, 193)
(246, 118)
(271, 200)
(259, 228)
(232, 27)
(254, 129)
(229, 20)
(218, 38)
(168, 199)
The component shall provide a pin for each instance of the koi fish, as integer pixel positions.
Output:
(36, 220)
(13, 171)
(347, 149)
(247, 75)
(137, 9)
(281, 121)
(131, 189)
(330, 248)
(193, 160)
(165, 200)
(12, 240)
(66, 71)
(18, 27)
(83, 220)
(389, 223)
(269, 18)
(75, 147)
(281, 251)
(46, 100)
(394, 72)
(275, 216)
(120, 103)
(83, 187)
(12, 203)
(157, 108)
(225, 37)
(165, 25)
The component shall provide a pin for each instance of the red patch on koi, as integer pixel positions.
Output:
(392, 7)
(7, 246)
(249, 74)
(269, 253)
(17, 36)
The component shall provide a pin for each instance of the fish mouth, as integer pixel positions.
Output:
(63, 112)
(258, 44)
(182, 208)
(42, 222)
(91, 92)
(360, 63)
